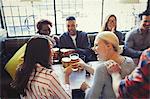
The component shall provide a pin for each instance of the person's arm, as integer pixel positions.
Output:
(99, 80)
(61, 42)
(68, 71)
(129, 43)
(116, 78)
(131, 52)
(129, 39)
(113, 69)
(56, 40)
(137, 80)
(83, 65)
(89, 69)
(57, 88)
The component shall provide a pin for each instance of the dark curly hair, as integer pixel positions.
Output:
(41, 22)
(146, 13)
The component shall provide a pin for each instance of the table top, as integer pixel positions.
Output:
(76, 78)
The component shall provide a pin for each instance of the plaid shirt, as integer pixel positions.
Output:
(137, 84)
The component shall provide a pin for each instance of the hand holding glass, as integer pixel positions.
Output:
(74, 59)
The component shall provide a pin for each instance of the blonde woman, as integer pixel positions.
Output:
(106, 46)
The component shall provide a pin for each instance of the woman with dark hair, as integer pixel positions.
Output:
(43, 28)
(35, 78)
(110, 24)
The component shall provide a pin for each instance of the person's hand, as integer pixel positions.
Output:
(81, 64)
(55, 37)
(84, 86)
(68, 72)
(113, 29)
(112, 67)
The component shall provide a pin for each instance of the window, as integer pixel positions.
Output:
(127, 14)
(21, 17)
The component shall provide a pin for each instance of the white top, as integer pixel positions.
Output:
(74, 40)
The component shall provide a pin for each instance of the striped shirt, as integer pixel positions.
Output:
(44, 85)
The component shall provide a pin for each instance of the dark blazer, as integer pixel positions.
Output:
(82, 43)
(120, 37)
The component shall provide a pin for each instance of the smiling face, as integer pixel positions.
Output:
(45, 29)
(111, 23)
(106, 45)
(101, 49)
(71, 26)
(145, 23)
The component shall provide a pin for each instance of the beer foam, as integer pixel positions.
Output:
(66, 59)
(74, 57)
(55, 49)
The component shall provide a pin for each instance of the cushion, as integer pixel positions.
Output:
(16, 60)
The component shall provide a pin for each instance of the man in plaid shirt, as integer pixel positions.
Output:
(137, 84)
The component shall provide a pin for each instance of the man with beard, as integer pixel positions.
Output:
(137, 40)
(74, 39)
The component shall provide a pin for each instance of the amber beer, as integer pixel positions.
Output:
(65, 61)
(74, 59)
(66, 52)
(56, 55)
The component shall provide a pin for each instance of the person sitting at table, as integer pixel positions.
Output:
(138, 39)
(43, 28)
(110, 24)
(106, 46)
(35, 78)
(137, 84)
(74, 39)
